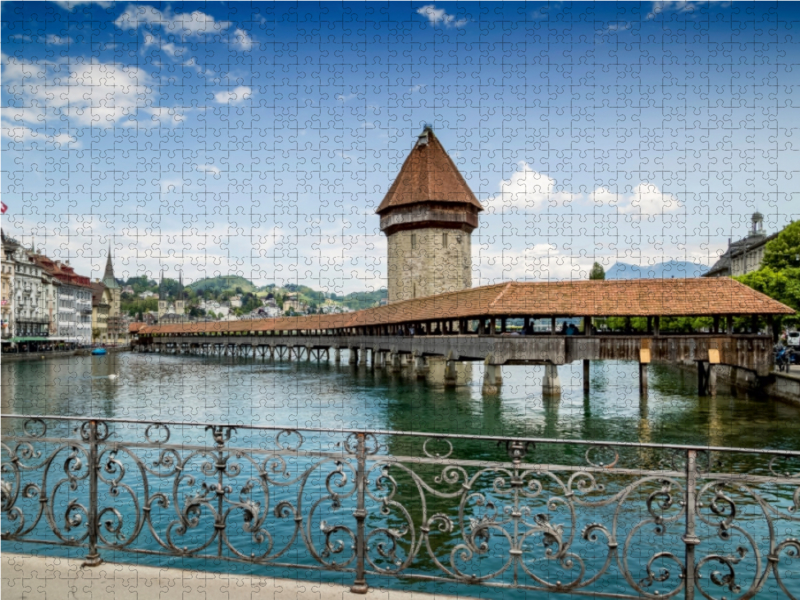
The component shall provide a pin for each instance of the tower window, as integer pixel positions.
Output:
(413, 241)
(444, 240)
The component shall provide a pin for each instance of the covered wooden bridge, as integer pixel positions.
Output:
(474, 324)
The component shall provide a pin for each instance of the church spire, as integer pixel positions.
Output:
(108, 277)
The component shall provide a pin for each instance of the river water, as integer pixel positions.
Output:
(307, 394)
(310, 394)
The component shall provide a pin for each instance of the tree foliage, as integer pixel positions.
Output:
(783, 251)
(597, 272)
(782, 285)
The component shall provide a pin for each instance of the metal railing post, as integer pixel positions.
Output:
(93, 558)
(690, 538)
(360, 584)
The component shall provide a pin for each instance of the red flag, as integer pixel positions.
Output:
(3, 208)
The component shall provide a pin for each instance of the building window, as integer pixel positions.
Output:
(444, 240)
(413, 241)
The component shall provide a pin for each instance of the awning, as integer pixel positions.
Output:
(22, 340)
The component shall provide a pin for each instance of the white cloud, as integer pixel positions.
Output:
(63, 140)
(194, 24)
(647, 199)
(168, 47)
(242, 40)
(20, 134)
(209, 169)
(57, 40)
(166, 116)
(437, 16)
(536, 262)
(95, 93)
(682, 6)
(234, 96)
(528, 189)
(70, 4)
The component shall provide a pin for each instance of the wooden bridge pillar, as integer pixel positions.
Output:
(353, 359)
(551, 384)
(362, 356)
(450, 375)
(337, 355)
(394, 362)
(491, 387)
(644, 360)
(643, 379)
(706, 379)
(586, 376)
(420, 367)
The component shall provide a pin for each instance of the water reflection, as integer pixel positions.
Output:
(312, 394)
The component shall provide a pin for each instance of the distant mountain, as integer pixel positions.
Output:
(676, 269)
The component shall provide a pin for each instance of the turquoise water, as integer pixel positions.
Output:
(313, 395)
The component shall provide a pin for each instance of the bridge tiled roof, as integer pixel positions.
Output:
(428, 175)
(623, 298)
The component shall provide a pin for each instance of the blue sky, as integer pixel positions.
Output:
(259, 138)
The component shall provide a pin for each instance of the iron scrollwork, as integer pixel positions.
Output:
(439, 508)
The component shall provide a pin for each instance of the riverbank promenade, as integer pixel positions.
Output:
(48, 578)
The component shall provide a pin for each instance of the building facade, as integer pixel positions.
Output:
(33, 290)
(72, 301)
(101, 308)
(7, 312)
(428, 216)
(745, 255)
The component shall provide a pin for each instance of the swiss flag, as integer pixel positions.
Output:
(3, 208)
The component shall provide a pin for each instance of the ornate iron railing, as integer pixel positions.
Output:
(603, 519)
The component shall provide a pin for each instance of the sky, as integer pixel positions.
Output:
(258, 139)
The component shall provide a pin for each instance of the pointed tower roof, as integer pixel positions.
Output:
(108, 277)
(428, 175)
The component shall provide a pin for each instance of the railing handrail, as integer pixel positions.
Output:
(417, 434)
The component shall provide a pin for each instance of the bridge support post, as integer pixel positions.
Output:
(712, 380)
(450, 375)
(586, 376)
(353, 359)
(337, 355)
(702, 386)
(490, 385)
(362, 356)
(643, 379)
(420, 367)
(394, 362)
(551, 384)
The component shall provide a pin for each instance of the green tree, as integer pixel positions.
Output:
(784, 251)
(597, 272)
(782, 285)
